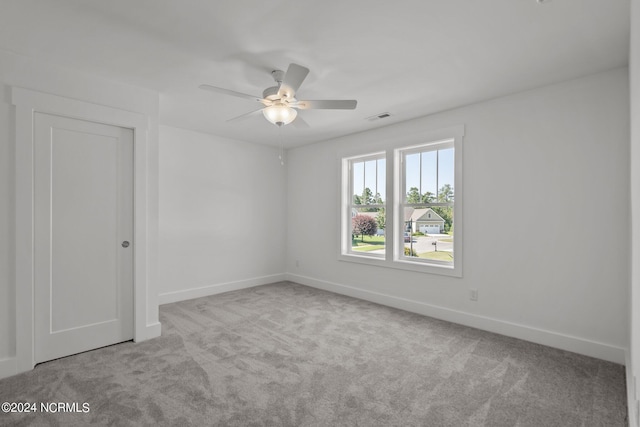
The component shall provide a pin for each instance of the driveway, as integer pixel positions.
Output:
(423, 244)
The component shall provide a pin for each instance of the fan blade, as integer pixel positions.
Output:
(245, 116)
(300, 123)
(327, 104)
(230, 92)
(292, 80)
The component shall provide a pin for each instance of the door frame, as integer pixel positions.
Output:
(27, 102)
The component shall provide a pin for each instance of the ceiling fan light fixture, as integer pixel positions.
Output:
(280, 103)
(279, 114)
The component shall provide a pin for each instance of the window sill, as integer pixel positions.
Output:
(442, 270)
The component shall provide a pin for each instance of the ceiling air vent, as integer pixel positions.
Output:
(378, 117)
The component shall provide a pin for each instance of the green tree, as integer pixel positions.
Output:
(428, 197)
(413, 196)
(368, 198)
(381, 219)
(446, 212)
(445, 195)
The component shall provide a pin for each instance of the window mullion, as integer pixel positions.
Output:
(364, 177)
(420, 175)
(376, 178)
(437, 174)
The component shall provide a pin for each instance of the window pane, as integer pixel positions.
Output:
(412, 178)
(429, 169)
(370, 182)
(382, 180)
(445, 175)
(367, 231)
(357, 171)
(428, 233)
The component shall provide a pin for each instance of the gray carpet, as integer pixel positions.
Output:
(290, 355)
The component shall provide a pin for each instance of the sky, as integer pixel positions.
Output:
(437, 170)
(422, 172)
(370, 174)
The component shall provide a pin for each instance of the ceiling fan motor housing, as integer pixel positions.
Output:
(271, 93)
(278, 76)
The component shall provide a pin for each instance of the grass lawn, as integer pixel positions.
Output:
(371, 243)
(446, 240)
(368, 240)
(440, 255)
(367, 248)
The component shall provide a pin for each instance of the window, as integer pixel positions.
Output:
(427, 181)
(366, 205)
(402, 205)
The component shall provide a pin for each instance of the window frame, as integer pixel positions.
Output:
(390, 146)
(347, 163)
(400, 202)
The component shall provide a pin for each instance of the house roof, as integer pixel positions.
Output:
(422, 215)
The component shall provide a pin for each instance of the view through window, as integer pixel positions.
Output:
(368, 222)
(427, 203)
(400, 206)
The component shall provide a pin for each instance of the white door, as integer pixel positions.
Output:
(83, 198)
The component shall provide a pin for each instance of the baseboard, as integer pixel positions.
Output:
(632, 401)
(150, 331)
(218, 288)
(8, 367)
(549, 338)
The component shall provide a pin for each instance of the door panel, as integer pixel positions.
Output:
(83, 212)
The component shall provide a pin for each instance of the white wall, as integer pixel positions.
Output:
(561, 150)
(222, 214)
(26, 72)
(633, 362)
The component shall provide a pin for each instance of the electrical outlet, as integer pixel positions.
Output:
(473, 294)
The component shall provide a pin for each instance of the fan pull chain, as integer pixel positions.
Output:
(281, 156)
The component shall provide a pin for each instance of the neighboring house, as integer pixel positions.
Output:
(424, 220)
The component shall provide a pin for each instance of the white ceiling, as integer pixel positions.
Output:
(408, 58)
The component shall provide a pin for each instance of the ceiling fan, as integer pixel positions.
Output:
(279, 103)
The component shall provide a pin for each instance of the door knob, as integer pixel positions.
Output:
(125, 244)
